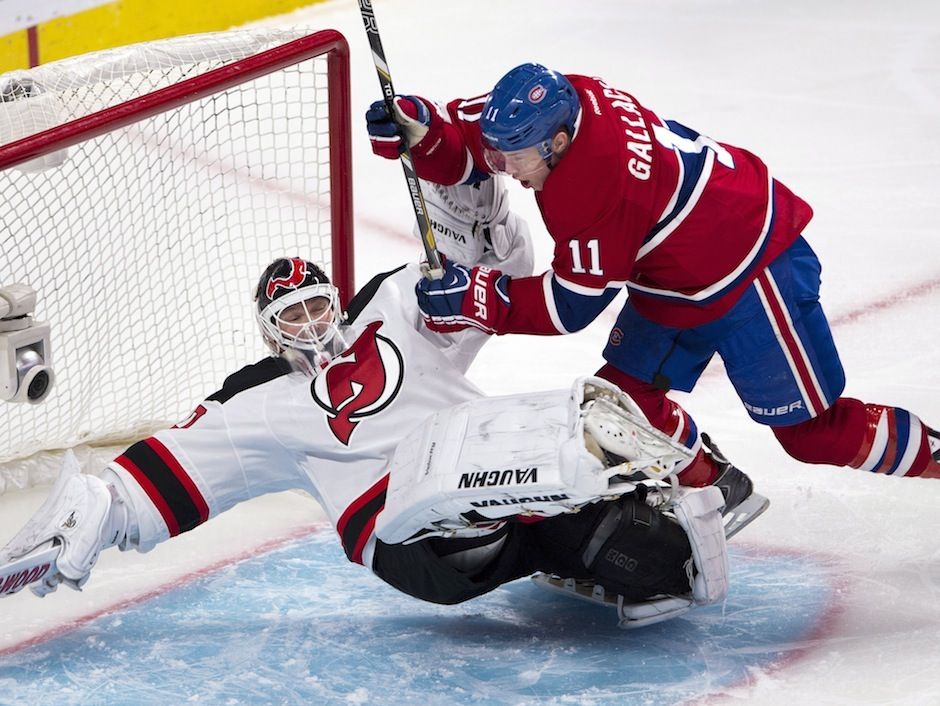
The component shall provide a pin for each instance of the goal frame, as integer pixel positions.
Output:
(326, 42)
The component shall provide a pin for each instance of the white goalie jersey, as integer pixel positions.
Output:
(270, 429)
(333, 435)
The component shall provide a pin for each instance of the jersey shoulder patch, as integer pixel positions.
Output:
(250, 376)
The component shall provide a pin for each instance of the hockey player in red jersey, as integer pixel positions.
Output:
(706, 241)
(442, 493)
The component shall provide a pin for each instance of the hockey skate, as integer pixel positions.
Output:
(933, 443)
(629, 615)
(697, 512)
(742, 504)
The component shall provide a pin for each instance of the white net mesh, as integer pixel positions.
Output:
(144, 243)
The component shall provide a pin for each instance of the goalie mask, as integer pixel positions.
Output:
(298, 309)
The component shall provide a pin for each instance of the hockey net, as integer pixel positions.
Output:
(145, 189)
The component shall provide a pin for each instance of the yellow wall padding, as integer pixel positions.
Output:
(131, 21)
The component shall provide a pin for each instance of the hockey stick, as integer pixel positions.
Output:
(435, 269)
(29, 568)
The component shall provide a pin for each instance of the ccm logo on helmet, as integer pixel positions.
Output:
(298, 273)
(537, 94)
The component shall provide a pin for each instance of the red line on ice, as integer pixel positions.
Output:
(796, 651)
(264, 547)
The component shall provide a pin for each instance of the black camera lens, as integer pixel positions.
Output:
(39, 385)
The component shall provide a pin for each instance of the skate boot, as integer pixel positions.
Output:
(742, 504)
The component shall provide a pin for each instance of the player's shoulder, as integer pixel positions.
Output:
(614, 127)
(588, 181)
(264, 371)
(377, 292)
(467, 110)
(608, 164)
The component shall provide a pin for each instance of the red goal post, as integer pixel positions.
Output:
(145, 190)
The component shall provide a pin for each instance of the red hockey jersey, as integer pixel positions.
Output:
(684, 222)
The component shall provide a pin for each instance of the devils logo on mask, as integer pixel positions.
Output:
(360, 382)
(298, 273)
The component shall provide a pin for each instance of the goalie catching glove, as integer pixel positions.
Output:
(483, 244)
(473, 225)
(62, 541)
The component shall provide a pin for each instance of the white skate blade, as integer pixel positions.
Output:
(585, 590)
(29, 568)
(629, 615)
(744, 514)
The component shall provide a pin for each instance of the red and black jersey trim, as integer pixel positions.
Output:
(357, 522)
(250, 376)
(166, 483)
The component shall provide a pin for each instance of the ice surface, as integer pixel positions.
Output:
(273, 629)
(835, 599)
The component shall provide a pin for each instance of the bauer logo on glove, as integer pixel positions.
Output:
(464, 297)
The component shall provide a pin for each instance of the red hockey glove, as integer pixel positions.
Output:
(464, 298)
(410, 121)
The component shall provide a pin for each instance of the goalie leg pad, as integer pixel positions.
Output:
(487, 460)
(699, 514)
(83, 515)
(638, 552)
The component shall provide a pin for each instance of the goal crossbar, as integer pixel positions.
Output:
(329, 42)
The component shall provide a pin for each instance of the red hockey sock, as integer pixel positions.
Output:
(701, 472)
(670, 418)
(867, 436)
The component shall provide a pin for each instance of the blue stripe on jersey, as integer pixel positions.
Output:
(476, 176)
(745, 273)
(902, 419)
(693, 432)
(578, 310)
(692, 165)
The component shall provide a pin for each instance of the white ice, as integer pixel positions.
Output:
(842, 100)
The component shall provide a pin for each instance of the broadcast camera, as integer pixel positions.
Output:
(25, 352)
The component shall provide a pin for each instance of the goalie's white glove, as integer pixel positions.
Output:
(617, 432)
(473, 226)
(83, 515)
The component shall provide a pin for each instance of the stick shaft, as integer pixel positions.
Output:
(435, 270)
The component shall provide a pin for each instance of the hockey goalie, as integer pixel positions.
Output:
(443, 493)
